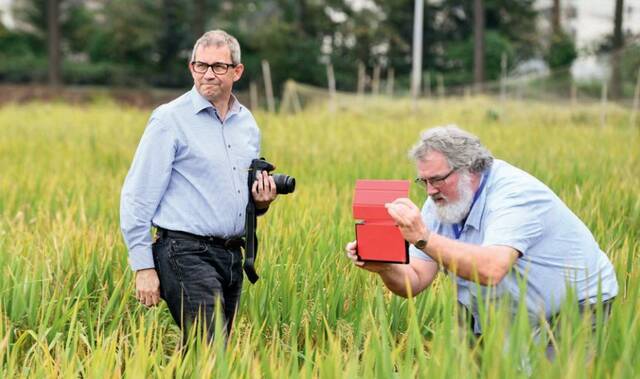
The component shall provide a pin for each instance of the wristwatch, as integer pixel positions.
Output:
(422, 243)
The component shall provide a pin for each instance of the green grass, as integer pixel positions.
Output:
(66, 292)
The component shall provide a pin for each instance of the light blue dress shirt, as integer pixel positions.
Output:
(189, 174)
(517, 210)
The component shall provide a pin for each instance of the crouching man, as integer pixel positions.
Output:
(491, 224)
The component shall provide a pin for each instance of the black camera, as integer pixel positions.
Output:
(284, 183)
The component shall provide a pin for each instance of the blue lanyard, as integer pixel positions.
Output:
(457, 229)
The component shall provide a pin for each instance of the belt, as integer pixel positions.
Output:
(227, 243)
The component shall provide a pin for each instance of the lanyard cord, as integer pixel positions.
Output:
(457, 229)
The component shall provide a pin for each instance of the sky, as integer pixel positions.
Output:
(5, 17)
(595, 18)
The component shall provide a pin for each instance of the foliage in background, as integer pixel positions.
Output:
(630, 68)
(562, 51)
(147, 42)
(460, 58)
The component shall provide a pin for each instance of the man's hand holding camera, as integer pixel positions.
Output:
(263, 190)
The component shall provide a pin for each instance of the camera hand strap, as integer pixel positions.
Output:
(251, 247)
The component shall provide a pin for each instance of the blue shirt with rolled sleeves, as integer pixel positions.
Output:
(557, 250)
(188, 174)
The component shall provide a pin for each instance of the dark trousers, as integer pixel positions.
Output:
(585, 309)
(195, 275)
(466, 321)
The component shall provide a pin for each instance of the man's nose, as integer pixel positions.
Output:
(209, 74)
(431, 190)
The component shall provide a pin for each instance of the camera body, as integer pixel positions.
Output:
(284, 183)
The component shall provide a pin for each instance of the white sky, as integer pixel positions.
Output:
(5, 17)
(595, 18)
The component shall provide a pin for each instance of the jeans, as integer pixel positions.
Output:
(194, 276)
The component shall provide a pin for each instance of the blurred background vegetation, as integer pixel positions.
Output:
(146, 43)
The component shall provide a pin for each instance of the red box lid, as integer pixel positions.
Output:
(371, 195)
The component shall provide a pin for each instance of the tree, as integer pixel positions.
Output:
(461, 58)
(128, 40)
(47, 33)
(562, 51)
(509, 25)
(618, 44)
(53, 42)
(173, 44)
(147, 42)
(555, 17)
(199, 17)
(478, 46)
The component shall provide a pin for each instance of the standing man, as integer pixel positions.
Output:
(189, 179)
(491, 225)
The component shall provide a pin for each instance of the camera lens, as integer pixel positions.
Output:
(284, 183)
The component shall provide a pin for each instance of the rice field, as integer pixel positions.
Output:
(67, 306)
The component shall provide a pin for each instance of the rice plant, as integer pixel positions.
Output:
(66, 295)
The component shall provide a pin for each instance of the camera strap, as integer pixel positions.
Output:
(251, 248)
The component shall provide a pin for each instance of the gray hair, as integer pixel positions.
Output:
(461, 149)
(218, 38)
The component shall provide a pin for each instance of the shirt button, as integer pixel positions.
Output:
(229, 146)
(234, 168)
(238, 191)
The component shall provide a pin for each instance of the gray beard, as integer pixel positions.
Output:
(453, 213)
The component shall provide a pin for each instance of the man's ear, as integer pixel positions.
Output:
(237, 72)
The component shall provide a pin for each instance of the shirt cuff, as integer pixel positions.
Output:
(141, 259)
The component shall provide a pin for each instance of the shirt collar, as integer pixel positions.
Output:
(199, 102)
(235, 105)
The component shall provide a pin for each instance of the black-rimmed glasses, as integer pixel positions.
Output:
(219, 68)
(435, 181)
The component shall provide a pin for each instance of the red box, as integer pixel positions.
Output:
(379, 239)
